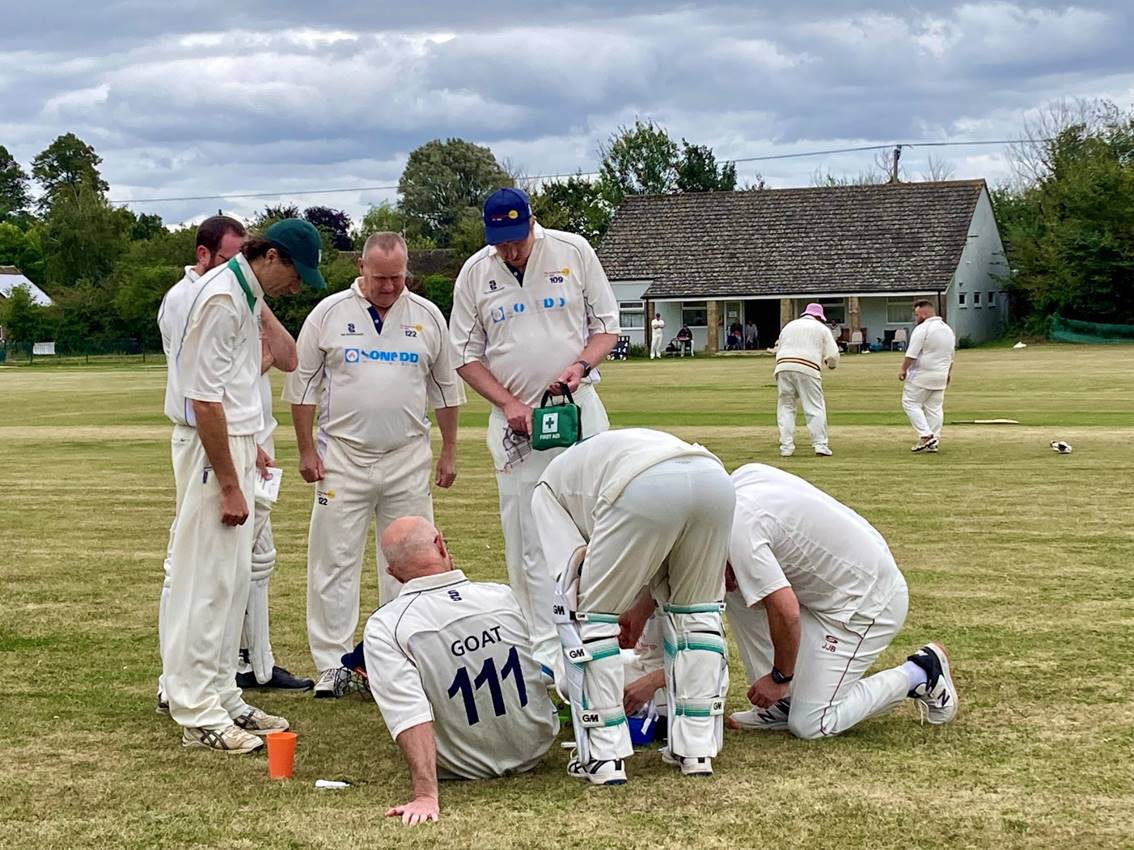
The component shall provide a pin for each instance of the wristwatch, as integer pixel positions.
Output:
(779, 678)
(586, 367)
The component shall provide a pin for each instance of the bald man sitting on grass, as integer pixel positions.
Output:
(451, 669)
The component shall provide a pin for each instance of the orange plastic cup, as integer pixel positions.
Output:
(281, 754)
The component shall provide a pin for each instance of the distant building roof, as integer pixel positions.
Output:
(895, 237)
(11, 277)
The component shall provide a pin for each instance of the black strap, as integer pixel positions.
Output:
(566, 393)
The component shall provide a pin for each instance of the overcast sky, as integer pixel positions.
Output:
(207, 98)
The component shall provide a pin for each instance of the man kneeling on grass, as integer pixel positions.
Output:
(814, 597)
(451, 669)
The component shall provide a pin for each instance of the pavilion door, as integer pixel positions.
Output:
(733, 314)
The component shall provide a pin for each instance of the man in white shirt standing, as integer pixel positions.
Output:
(814, 598)
(217, 413)
(451, 669)
(804, 347)
(657, 336)
(373, 358)
(531, 310)
(926, 370)
(219, 239)
(621, 516)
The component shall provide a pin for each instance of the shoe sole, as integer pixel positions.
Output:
(197, 745)
(325, 694)
(586, 777)
(947, 672)
(741, 727)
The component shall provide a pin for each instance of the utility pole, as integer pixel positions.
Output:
(894, 167)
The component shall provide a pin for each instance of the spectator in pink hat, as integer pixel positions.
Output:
(805, 345)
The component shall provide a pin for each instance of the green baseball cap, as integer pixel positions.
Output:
(300, 241)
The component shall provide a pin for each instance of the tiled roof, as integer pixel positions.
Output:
(897, 237)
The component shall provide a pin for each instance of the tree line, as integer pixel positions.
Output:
(1067, 219)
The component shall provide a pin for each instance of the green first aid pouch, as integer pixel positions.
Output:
(556, 425)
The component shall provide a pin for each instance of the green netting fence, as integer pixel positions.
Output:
(1073, 330)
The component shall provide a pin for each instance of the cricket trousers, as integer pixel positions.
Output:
(828, 692)
(668, 530)
(350, 495)
(657, 345)
(516, 478)
(925, 409)
(807, 391)
(210, 566)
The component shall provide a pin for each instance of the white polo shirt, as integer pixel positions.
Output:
(457, 653)
(932, 345)
(527, 335)
(214, 343)
(787, 532)
(598, 470)
(374, 379)
(172, 315)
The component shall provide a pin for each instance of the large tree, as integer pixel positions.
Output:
(67, 163)
(335, 224)
(638, 160)
(698, 171)
(83, 236)
(22, 249)
(14, 197)
(444, 179)
(576, 204)
(1070, 231)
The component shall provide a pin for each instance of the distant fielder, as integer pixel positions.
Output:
(926, 370)
(814, 598)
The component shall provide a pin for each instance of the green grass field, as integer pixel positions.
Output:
(1017, 558)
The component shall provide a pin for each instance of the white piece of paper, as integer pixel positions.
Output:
(330, 783)
(269, 488)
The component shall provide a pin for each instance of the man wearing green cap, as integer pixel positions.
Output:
(217, 412)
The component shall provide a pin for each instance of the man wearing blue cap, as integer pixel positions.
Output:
(217, 412)
(531, 310)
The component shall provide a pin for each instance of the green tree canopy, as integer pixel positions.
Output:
(1071, 232)
(443, 179)
(638, 160)
(14, 196)
(576, 205)
(67, 163)
(83, 236)
(698, 171)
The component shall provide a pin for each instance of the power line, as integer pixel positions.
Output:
(766, 158)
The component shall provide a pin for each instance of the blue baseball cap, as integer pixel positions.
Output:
(507, 216)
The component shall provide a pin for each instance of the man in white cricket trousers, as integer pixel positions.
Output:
(623, 515)
(219, 239)
(926, 370)
(452, 672)
(531, 310)
(657, 336)
(373, 358)
(804, 347)
(217, 365)
(814, 598)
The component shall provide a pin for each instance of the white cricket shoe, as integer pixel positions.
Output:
(260, 723)
(823, 451)
(230, 739)
(787, 452)
(925, 444)
(938, 694)
(598, 771)
(333, 682)
(774, 719)
(689, 766)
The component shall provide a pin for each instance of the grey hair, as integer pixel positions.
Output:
(407, 549)
(384, 240)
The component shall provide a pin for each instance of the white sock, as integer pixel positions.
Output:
(915, 675)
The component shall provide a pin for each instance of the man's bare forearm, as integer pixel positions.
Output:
(420, 752)
(783, 624)
(447, 418)
(597, 347)
(212, 429)
(303, 418)
(477, 376)
(278, 341)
